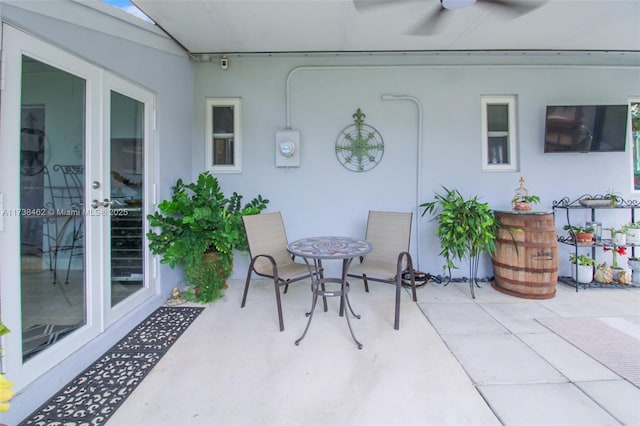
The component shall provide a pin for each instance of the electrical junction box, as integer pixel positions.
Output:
(287, 148)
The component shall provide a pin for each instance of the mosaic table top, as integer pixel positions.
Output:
(329, 247)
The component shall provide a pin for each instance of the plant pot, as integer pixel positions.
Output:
(635, 269)
(584, 237)
(633, 236)
(591, 202)
(623, 277)
(521, 206)
(208, 278)
(620, 239)
(617, 272)
(585, 274)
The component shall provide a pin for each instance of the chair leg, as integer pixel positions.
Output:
(246, 285)
(396, 321)
(279, 303)
(412, 274)
(366, 284)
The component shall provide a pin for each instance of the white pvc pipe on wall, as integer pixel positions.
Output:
(418, 165)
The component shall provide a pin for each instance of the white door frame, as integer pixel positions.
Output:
(97, 267)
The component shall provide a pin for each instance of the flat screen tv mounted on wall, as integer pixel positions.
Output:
(585, 128)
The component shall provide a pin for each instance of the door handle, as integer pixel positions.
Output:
(104, 203)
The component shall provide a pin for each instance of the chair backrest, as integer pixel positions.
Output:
(73, 190)
(266, 235)
(390, 234)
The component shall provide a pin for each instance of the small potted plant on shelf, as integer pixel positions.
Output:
(581, 234)
(583, 271)
(523, 202)
(618, 235)
(613, 197)
(633, 232)
(609, 199)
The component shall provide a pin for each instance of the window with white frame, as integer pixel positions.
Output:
(223, 139)
(499, 147)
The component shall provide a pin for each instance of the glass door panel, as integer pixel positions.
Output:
(127, 196)
(52, 255)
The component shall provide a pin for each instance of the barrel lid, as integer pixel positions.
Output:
(524, 212)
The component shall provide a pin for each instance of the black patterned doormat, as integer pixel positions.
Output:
(96, 393)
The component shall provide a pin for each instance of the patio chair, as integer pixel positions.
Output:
(71, 198)
(389, 233)
(269, 256)
(60, 230)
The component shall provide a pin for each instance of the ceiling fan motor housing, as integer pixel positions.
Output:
(456, 4)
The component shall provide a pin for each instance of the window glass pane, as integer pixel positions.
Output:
(52, 141)
(223, 151)
(499, 144)
(498, 118)
(224, 135)
(127, 172)
(498, 150)
(223, 119)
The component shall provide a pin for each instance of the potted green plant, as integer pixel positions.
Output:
(615, 251)
(581, 234)
(613, 197)
(523, 202)
(618, 235)
(632, 230)
(198, 229)
(583, 271)
(609, 199)
(466, 228)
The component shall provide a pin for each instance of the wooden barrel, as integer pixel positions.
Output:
(526, 260)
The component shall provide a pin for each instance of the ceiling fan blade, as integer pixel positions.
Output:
(430, 24)
(364, 5)
(517, 7)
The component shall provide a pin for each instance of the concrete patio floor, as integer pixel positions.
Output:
(454, 361)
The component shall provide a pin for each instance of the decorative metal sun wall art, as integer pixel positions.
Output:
(359, 147)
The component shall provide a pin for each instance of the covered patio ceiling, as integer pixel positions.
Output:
(361, 26)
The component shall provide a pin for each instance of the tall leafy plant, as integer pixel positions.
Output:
(466, 229)
(198, 220)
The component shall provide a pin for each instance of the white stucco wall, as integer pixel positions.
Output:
(322, 197)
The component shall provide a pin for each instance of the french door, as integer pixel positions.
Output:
(74, 170)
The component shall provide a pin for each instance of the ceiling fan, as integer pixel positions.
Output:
(430, 23)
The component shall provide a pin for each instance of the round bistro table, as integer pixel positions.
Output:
(316, 249)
